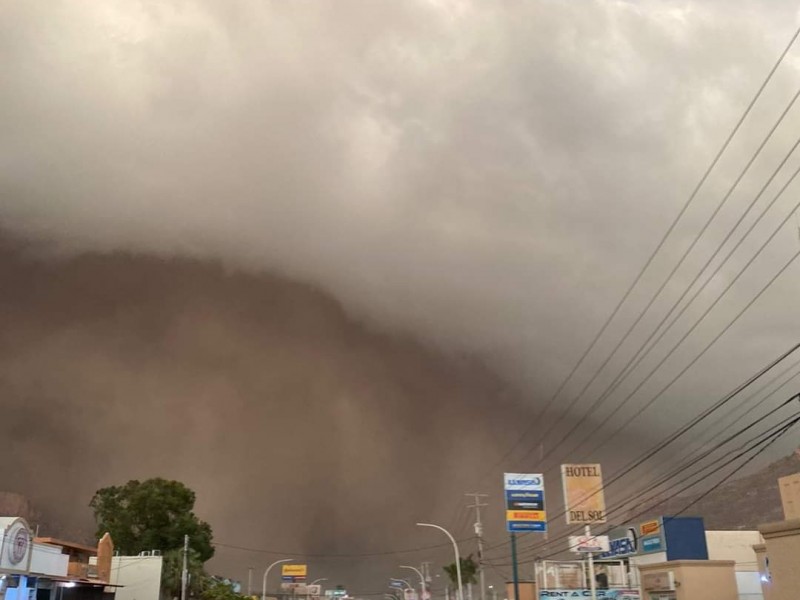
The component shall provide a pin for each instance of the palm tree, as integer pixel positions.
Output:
(469, 568)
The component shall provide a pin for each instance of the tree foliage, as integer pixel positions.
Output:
(218, 590)
(171, 574)
(151, 515)
(469, 568)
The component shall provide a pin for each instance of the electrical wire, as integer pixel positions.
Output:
(659, 246)
(680, 374)
(769, 438)
(692, 454)
(634, 362)
(639, 356)
(680, 263)
(697, 472)
(354, 555)
(675, 435)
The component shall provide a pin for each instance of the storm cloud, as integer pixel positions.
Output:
(484, 179)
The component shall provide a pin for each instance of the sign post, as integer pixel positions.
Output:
(584, 503)
(525, 511)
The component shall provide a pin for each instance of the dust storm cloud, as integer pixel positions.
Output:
(276, 247)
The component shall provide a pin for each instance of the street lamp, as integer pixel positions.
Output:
(421, 580)
(318, 580)
(458, 556)
(264, 583)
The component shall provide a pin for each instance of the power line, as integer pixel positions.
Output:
(354, 555)
(752, 408)
(652, 256)
(674, 270)
(654, 486)
(769, 437)
(692, 423)
(688, 366)
(637, 359)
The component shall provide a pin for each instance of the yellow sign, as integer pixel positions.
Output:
(583, 493)
(294, 570)
(649, 527)
(525, 515)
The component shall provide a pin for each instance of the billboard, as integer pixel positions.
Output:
(582, 594)
(294, 573)
(584, 502)
(525, 510)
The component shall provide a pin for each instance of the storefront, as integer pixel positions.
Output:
(617, 571)
(655, 541)
(31, 569)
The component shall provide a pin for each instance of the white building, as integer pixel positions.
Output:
(738, 547)
(136, 577)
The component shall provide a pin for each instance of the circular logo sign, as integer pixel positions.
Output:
(19, 542)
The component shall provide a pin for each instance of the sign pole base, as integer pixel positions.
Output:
(592, 585)
(514, 563)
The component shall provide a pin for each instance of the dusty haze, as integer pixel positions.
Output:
(258, 245)
(300, 429)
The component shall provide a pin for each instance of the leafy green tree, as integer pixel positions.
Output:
(469, 568)
(218, 590)
(151, 515)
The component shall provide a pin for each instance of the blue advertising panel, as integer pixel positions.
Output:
(681, 538)
(524, 495)
(685, 538)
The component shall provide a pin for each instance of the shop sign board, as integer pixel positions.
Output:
(301, 589)
(588, 543)
(525, 509)
(572, 594)
(650, 527)
(583, 494)
(637, 539)
(294, 573)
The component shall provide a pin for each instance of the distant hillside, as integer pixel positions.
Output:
(17, 505)
(13, 504)
(739, 504)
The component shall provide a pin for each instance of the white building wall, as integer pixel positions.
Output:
(49, 560)
(139, 576)
(738, 547)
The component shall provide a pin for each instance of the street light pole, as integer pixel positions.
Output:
(318, 580)
(421, 580)
(269, 568)
(458, 556)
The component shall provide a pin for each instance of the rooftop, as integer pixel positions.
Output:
(65, 544)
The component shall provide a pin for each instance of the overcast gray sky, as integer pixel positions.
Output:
(487, 177)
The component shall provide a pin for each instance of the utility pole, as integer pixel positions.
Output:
(428, 583)
(185, 572)
(250, 581)
(479, 534)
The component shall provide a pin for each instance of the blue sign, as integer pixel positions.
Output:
(525, 510)
(622, 543)
(651, 544)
